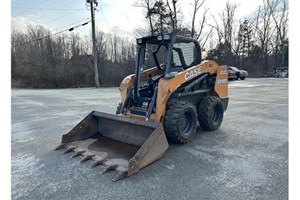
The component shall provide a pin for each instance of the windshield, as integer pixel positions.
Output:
(234, 68)
(183, 55)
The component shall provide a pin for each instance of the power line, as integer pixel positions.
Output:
(72, 23)
(63, 6)
(37, 4)
(34, 8)
(62, 16)
(104, 17)
(69, 29)
(41, 6)
(57, 9)
(47, 6)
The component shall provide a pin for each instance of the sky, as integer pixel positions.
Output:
(116, 16)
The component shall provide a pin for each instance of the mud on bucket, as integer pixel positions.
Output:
(120, 143)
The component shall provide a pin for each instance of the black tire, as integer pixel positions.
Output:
(238, 75)
(180, 122)
(210, 113)
(243, 78)
(118, 111)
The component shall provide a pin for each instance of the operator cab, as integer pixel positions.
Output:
(170, 54)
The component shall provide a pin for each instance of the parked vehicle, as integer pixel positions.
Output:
(242, 74)
(281, 73)
(231, 75)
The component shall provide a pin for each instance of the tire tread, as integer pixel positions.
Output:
(170, 122)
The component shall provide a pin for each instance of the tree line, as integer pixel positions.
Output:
(65, 60)
(258, 44)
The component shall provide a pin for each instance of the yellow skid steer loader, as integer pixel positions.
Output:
(170, 92)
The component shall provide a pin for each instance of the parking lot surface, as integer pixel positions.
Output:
(247, 158)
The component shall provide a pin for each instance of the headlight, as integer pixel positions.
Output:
(139, 41)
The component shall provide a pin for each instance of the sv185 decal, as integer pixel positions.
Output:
(222, 81)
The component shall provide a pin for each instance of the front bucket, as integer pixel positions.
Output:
(120, 143)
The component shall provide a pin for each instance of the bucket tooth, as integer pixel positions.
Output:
(61, 146)
(97, 162)
(108, 168)
(119, 176)
(69, 149)
(86, 156)
(100, 138)
(77, 153)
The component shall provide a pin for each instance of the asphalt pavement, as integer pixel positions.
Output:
(247, 158)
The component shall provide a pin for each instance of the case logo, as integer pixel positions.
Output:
(192, 73)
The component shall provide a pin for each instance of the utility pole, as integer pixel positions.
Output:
(92, 2)
(174, 7)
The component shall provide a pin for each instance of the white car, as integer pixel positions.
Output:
(281, 73)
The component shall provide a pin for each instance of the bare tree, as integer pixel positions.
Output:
(280, 18)
(196, 6)
(264, 28)
(226, 32)
(147, 4)
(17, 53)
(228, 24)
(40, 60)
(101, 45)
(173, 13)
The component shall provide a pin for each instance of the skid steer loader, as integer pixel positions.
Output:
(170, 92)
